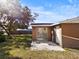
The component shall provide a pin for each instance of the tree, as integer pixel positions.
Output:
(12, 14)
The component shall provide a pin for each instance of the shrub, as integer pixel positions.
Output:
(22, 38)
(2, 37)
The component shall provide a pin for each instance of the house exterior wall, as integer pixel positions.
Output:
(34, 31)
(70, 35)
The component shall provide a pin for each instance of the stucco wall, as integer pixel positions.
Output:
(58, 35)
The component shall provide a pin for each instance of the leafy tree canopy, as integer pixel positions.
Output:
(12, 14)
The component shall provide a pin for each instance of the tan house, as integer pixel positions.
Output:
(70, 33)
(65, 34)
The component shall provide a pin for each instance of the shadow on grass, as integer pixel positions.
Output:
(4, 51)
(23, 45)
(14, 58)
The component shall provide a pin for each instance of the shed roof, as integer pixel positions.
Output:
(41, 24)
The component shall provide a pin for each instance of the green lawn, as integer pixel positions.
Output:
(20, 50)
(11, 51)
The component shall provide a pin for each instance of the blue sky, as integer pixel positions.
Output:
(53, 11)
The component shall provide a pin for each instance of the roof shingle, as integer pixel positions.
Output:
(73, 20)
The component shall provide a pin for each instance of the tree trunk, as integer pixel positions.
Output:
(3, 27)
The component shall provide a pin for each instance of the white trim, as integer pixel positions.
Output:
(55, 24)
(41, 25)
(70, 37)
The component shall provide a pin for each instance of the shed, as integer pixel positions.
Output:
(42, 31)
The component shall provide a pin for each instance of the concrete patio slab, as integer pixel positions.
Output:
(50, 46)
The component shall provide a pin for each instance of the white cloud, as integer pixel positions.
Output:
(70, 1)
(69, 10)
(63, 12)
(46, 16)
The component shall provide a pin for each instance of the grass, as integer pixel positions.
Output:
(27, 54)
(20, 50)
(9, 50)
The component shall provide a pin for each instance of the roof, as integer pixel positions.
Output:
(41, 24)
(73, 20)
(22, 31)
